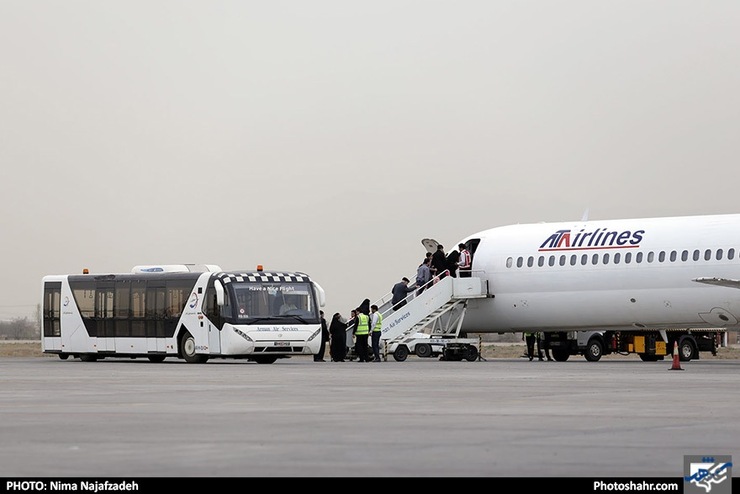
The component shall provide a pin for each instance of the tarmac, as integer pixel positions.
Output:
(418, 418)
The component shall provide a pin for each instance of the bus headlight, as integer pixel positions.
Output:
(316, 333)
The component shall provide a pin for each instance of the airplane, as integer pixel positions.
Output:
(627, 282)
(663, 272)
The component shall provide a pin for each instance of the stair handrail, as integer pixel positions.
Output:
(383, 300)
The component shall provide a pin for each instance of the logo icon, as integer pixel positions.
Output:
(704, 474)
(193, 300)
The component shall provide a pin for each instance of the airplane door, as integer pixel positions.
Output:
(430, 245)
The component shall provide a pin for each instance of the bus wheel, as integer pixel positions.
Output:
(423, 350)
(187, 348)
(265, 359)
(64, 356)
(156, 358)
(87, 357)
(401, 353)
(471, 353)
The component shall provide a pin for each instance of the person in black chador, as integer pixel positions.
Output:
(439, 261)
(452, 262)
(319, 357)
(338, 332)
(364, 307)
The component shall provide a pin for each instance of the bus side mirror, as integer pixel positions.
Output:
(219, 293)
(320, 292)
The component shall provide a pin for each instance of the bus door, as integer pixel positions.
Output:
(213, 321)
(104, 321)
(177, 298)
(52, 316)
(155, 317)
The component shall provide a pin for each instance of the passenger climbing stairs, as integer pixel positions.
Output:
(428, 323)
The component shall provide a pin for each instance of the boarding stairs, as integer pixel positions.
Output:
(437, 313)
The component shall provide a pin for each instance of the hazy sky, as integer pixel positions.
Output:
(330, 137)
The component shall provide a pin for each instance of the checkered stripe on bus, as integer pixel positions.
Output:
(261, 276)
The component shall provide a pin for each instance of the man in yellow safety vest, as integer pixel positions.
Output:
(376, 323)
(362, 331)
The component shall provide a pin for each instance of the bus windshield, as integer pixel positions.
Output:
(263, 300)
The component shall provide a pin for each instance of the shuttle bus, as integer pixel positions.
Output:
(192, 312)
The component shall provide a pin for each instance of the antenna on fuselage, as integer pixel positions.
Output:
(585, 215)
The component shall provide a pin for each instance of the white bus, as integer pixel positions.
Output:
(193, 312)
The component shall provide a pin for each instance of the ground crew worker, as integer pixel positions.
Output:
(362, 330)
(530, 339)
(465, 261)
(376, 322)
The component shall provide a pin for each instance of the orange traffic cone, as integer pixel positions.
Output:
(676, 361)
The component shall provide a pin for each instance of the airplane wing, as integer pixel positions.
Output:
(719, 282)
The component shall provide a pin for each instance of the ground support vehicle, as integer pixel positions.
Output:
(650, 345)
(424, 345)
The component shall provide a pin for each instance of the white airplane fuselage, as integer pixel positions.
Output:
(610, 274)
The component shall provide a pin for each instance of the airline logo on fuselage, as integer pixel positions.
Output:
(601, 238)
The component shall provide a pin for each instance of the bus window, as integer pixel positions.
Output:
(121, 307)
(138, 309)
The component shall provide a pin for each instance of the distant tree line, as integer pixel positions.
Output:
(19, 329)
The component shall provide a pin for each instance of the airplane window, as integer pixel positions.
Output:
(661, 256)
(719, 254)
(530, 261)
(541, 261)
(628, 257)
(651, 256)
(509, 262)
(551, 261)
(638, 258)
(595, 259)
(616, 258)
(606, 258)
(731, 254)
(573, 260)
(707, 254)
(519, 262)
(696, 255)
(673, 256)
(584, 259)
(562, 260)
(685, 255)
